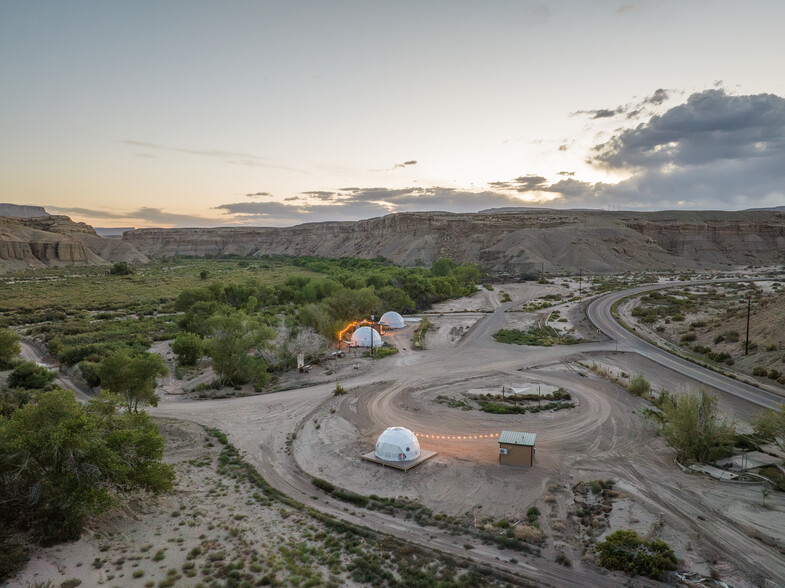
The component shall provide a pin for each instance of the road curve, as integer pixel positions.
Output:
(599, 313)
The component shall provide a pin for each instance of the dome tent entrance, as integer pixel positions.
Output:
(397, 444)
(366, 337)
(392, 320)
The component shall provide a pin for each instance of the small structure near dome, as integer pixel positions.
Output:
(392, 320)
(399, 448)
(366, 337)
(516, 448)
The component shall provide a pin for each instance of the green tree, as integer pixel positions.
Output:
(195, 318)
(627, 551)
(467, 275)
(694, 429)
(771, 425)
(443, 267)
(30, 375)
(188, 347)
(9, 347)
(132, 377)
(11, 400)
(348, 305)
(61, 461)
(234, 339)
(639, 385)
(393, 298)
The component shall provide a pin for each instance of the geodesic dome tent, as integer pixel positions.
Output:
(397, 444)
(392, 320)
(364, 336)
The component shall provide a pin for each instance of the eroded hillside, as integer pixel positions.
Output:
(48, 241)
(513, 241)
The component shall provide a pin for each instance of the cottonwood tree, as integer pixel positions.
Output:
(235, 342)
(132, 377)
(694, 428)
(61, 461)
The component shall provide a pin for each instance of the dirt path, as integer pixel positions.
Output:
(293, 435)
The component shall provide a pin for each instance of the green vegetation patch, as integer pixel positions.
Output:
(627, 551)
(540, 336)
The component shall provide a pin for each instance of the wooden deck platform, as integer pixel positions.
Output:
(425, 455)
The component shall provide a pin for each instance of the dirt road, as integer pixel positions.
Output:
(604, 437)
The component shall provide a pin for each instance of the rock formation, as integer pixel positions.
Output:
(512, 241)
(46, 241)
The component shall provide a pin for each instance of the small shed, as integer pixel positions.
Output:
(516, 448)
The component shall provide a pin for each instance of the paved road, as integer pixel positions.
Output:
(599, 313)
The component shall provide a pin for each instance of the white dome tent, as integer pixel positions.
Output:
(392, 320)
(366, 337)
(397, 444)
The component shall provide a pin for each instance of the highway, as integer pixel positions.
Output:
(599, 313)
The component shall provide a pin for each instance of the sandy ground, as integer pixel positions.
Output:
(209, 521)
(306, 431)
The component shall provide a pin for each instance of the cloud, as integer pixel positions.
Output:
(600, 113)
(711, 126)
(629, 111)
(660, 95)
(155, 216)
(528, 183)
(409, 163)
(356, 203)
(319, 195)
(231, 157)
(258, 195)
(715, 151)
(565, 173)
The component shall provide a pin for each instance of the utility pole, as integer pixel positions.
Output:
(747, 342)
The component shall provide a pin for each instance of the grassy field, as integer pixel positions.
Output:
(28, 297)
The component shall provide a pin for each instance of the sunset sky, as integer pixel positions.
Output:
(191, 113)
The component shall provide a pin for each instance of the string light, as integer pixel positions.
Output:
(456, 437)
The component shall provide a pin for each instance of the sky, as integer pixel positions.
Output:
(193, 113)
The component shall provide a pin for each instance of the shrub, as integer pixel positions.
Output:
(528, 534)
(30, 375)
(689, 338)
(121, 268)
(351, 497)
(732, 336)
(639, 385)
(323, 484)
(13, 558)
(9, 347)
(188, 347)
(627, 551)
(339, 390)
(759, 371)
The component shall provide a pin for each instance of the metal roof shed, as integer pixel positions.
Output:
(516, 448)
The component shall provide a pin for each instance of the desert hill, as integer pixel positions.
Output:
(49, 240)
(506, 241)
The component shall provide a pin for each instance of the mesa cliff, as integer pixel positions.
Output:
(48, 241)
(513, 241)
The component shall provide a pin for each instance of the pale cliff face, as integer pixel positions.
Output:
(508, 241)
(56, 240)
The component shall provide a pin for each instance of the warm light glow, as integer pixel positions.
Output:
(355, 324)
